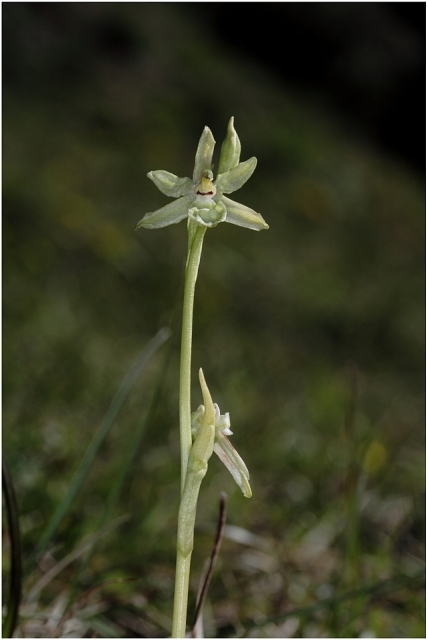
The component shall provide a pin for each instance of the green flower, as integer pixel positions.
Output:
(202, 199)
(223, 447)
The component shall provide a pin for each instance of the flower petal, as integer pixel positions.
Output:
(204, 154)
(230, 150)
(233, 462)
(222, 423)
(234, 179)
(170, 214)
(243, 216)
(170, 184)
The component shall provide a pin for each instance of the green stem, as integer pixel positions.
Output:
(181, 590)
(185, 535)
(193, 259)
(196, 238)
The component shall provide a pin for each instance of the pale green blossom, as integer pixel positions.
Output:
(202, 198)
(223, 447)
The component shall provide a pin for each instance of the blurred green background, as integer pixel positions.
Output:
(311, 334)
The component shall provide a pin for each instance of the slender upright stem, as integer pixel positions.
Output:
(183, 561)
(181, 591)
(193, 259)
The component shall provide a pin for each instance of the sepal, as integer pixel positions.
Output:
(234, 179)
(243, 216)
(233, 463)
(170, 184)
(230, 150)
(170, 214)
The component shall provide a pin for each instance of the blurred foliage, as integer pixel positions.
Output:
(311, 334)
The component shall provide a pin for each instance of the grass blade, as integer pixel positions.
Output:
(104, 428)
(135, 443)
(377, 590)
(15, 552)
(71, 557)
(127, 464)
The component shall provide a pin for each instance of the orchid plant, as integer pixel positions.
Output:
(202, 201)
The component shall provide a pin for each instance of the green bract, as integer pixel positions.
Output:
(202, 199)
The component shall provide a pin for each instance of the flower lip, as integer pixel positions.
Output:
(208, 216)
